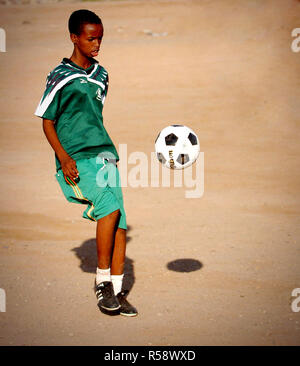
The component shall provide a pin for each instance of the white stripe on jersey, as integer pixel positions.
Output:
(96, 82)
(76, 68)
(95, 68)
(43, 105)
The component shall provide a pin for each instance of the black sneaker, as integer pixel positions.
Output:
(126, 308)
(106, 297)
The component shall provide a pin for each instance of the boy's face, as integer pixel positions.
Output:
(89, 40)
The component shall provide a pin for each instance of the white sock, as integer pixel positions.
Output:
(117, 281)
(102, 275)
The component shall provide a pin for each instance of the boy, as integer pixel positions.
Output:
(85, 156)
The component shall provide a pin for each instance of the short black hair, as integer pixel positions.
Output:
(80, 17)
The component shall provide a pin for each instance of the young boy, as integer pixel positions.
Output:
(85, 156)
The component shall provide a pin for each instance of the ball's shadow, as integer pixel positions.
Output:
(87, 253)
(184, 265)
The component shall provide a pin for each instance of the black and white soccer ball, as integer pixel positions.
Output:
(177, 147)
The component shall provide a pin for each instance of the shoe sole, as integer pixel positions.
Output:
(109, 309)
(129, 315)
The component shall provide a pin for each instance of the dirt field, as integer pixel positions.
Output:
(215, 270)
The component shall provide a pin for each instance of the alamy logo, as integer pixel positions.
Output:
(2, 301)
(148, 172)
(295, 303)
(2, 40)
(295, 46)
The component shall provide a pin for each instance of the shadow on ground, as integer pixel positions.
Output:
(184, 265)
(87, 253)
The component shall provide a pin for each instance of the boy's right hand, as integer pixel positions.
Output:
(68, 166)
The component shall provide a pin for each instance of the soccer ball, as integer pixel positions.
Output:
(177, 147)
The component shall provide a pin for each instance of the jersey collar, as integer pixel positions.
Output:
(67, 61)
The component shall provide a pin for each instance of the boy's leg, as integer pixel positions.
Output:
(117, 273)
(105, 235)
(118, 258)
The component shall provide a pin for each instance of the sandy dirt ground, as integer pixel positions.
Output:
(215, 270)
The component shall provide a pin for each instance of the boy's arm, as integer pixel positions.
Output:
(68, 165)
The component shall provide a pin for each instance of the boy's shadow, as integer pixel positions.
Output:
(87, 253)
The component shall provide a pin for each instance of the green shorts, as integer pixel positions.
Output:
(98, 186)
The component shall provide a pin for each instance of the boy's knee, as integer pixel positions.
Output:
(121, 231)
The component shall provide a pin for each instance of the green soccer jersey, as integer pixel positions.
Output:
(74, 99)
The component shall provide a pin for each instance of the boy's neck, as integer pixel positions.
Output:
(80, 60)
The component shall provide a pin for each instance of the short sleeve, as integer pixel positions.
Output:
(50, 104)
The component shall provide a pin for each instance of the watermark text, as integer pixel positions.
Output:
(137, 169)
(295, 45)
(2, 301)
(2, 40)
(296, 302)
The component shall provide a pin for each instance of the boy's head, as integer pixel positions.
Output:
(86, 32)
(80, 17)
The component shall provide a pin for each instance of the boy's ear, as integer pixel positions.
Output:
(73, 37)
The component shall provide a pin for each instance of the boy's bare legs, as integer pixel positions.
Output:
(105, 236)
(111, 249)
(118, 260)
(117, 273)
(119, 250)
